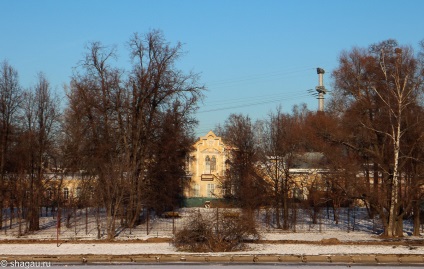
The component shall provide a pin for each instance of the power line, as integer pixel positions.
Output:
(267, 100)
(250, 101)
(243, 99)
(258, 76)
(224, 104)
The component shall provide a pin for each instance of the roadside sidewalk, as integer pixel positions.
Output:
(129, 252)
(331, 247)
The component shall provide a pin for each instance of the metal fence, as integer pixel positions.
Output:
(306, 220)
(89, 223)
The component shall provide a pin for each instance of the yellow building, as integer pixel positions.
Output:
(206, 167)
(64, 188)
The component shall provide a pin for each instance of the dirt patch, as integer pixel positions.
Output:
(158, 240)
(83, 241)
(330, 241)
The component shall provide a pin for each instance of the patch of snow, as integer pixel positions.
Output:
(316, 236)
(166, 248)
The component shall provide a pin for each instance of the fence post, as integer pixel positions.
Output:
(12, 214)
(86, 220)
(373, 224)
(148, 219)
(75, 218)
(348, 219)
(58, 226)
(217, 220)
(173, 221)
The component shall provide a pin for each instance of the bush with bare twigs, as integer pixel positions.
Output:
(224, 231)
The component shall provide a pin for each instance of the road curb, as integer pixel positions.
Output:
(205, 258)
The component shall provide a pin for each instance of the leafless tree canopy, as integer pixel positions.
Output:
(243, 185)
(10, 99)
(132, 130)
(370, 138)
(381, 89)
(29, 127)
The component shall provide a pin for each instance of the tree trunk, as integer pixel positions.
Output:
(285, 210)
(375, 194)
(109, 223)
(394, 196)
(12, 214)
(315, 214)
(1, 210)
(336, 207)
(33, 208)
(399, 226)
(20, 221)
(416, 231)
(33, 218)
(277, 206)
(98, 223)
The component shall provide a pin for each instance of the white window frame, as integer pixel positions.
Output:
(211, 190)
(196, 190)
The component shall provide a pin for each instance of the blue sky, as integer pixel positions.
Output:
(252, 55)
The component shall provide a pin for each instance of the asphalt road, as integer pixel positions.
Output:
(229, 266)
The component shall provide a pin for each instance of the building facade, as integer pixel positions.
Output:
(206, 167)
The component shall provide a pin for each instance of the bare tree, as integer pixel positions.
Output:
(93, 131)
(41, 116)
(339, 182)
(282, 145)
(156, 88)
(10, 99)
(166, 170)
(120, 123)
(381, 84)
(247, 187)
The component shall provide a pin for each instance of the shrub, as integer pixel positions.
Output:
(171, 214)
(217, 234)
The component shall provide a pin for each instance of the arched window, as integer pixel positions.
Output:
(49, 193)
(227, 167)
(207, 165)
(79, 191)
(91, 192)
(213, 164)
(65, 193)
(196, 190)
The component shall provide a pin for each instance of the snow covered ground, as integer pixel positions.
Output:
(167, 248)
(350, 243)
(313, 236)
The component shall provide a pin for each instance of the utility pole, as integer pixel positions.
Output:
(320, 89)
